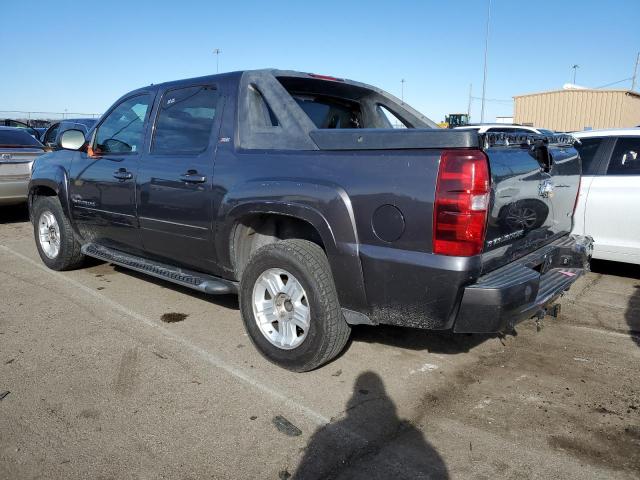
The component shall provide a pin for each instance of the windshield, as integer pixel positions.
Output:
(17, 137)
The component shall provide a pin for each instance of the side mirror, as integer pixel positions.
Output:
(72, 140)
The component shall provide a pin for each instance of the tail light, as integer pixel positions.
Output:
(461, 203)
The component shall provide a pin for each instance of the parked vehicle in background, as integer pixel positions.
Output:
(454, 120)
(505, 128)
(7, 122)
(18, 150)
(40, 131)
(609, 202)
(318, 212)
(52, 135)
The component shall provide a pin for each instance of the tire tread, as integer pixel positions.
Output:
(337, 330)
(70, 256)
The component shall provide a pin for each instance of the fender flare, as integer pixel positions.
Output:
(53, 177)
(327, 208)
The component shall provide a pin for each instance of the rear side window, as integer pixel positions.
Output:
(185, 120)
(390, 118)
(587, 148)
(260, 113)
(626, 157)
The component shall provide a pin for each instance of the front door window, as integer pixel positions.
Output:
(123, 129)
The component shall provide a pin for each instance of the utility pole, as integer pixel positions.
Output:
(402, 90)
(469, 105)
(635, 73)
(575, 69)
(486, 49)
(217, 52)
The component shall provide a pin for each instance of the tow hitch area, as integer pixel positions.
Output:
(551, 311)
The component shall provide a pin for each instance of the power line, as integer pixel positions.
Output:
(500, 100)
(615, 83)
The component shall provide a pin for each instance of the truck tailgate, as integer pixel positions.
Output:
(534, 184)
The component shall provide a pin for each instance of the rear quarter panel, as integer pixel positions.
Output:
(339, 192)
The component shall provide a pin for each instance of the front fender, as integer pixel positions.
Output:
(326, 207)
(52, 176)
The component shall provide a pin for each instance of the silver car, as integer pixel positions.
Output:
(18, 150)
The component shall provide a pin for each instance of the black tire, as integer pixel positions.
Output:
(69, 255)
(328, 331)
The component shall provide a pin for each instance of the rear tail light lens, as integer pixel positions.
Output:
(461, 203)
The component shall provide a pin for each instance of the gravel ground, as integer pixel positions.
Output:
(113, 375)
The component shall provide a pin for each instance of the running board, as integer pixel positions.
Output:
(187, 278)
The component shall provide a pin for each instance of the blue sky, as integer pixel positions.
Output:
(82, 55)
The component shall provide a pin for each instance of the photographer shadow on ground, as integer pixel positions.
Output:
(370, 441)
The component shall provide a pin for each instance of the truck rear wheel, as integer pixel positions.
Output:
(290, 306)
(57, 246)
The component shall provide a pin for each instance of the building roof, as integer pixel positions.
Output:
(589, 90)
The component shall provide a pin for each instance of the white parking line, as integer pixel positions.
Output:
(316, 417)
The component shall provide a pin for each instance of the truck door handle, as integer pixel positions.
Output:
(122, 174)
(192, 176)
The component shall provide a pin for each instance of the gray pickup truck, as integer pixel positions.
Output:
(295, 191)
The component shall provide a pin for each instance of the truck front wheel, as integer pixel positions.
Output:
(57, 246)
(290, 306)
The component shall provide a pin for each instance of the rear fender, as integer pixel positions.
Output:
(326, 207)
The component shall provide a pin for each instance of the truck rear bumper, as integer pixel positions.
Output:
(516, 292)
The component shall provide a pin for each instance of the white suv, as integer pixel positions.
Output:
(504, 128)
(609, 202)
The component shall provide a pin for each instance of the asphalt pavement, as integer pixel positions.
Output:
(114, 375)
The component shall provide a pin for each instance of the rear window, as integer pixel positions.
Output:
(343, 105)
(330, 112)
(625, 159)
(17, 137)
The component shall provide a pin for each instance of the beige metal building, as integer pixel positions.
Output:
(577, 109)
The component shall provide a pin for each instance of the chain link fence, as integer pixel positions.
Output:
(42, 119)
